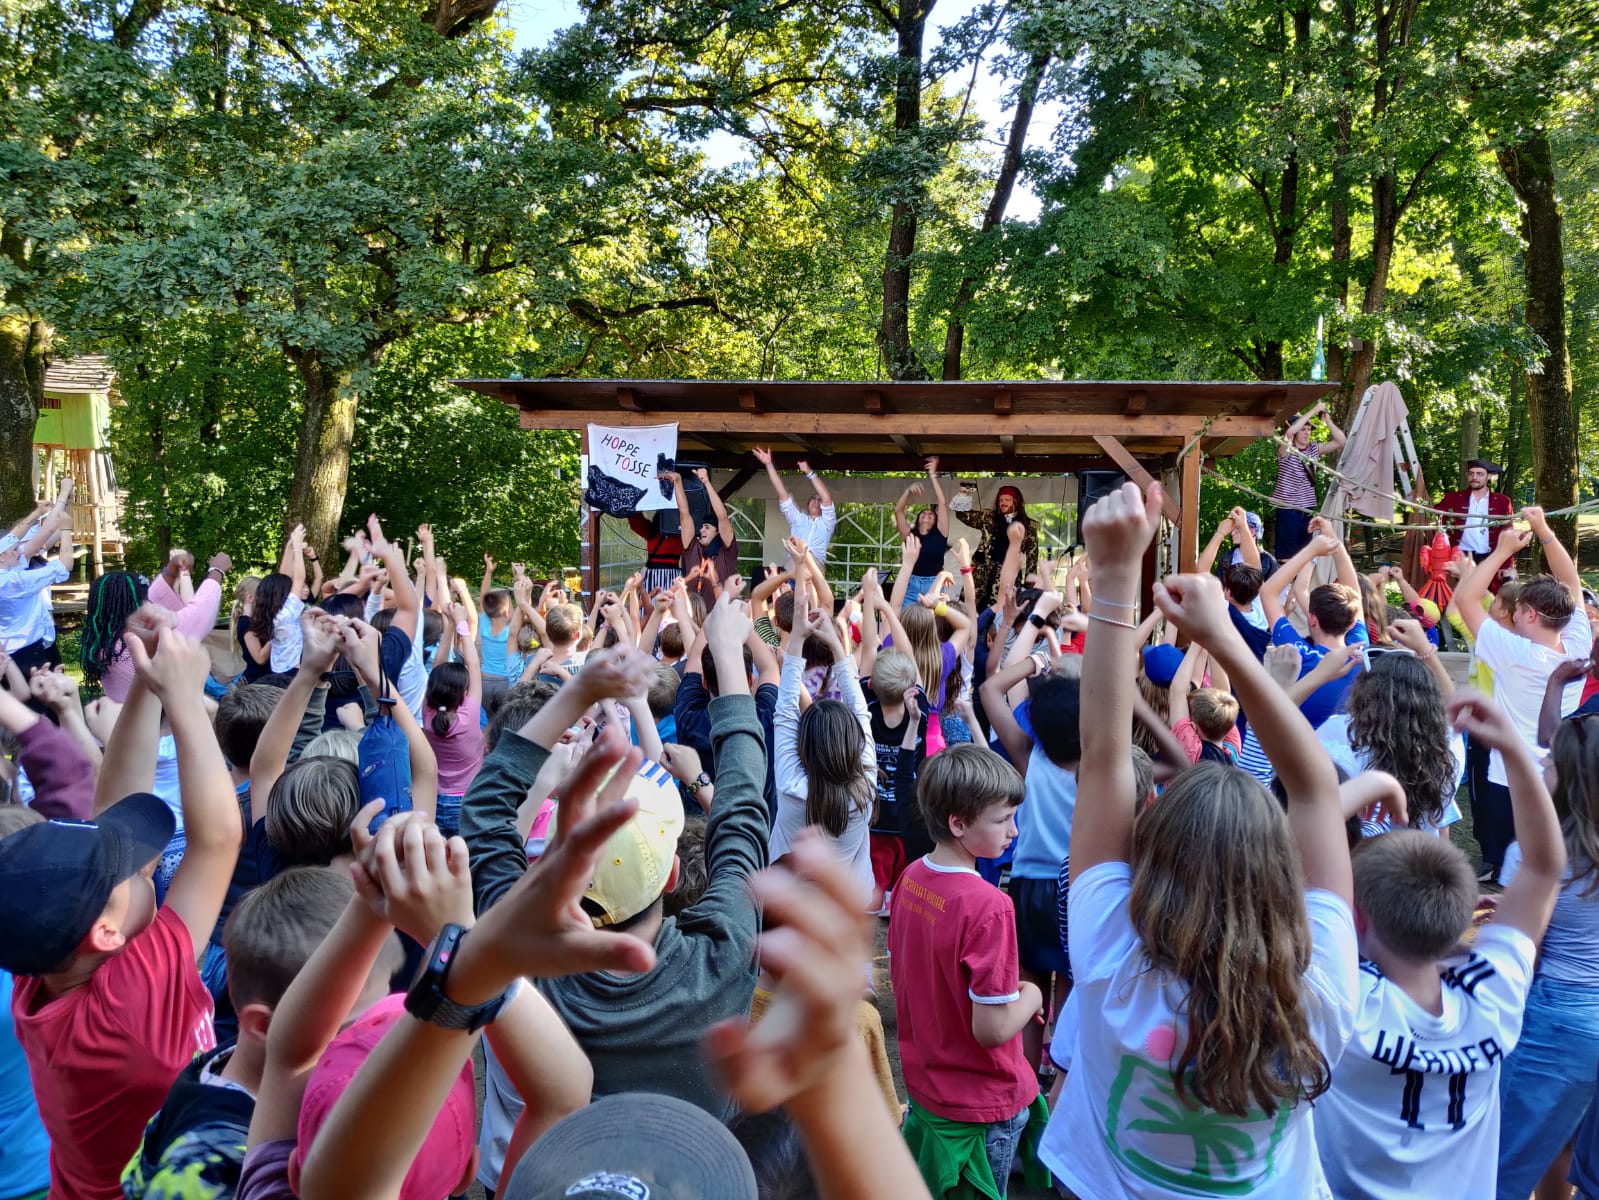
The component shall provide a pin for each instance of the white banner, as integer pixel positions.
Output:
(622, 465)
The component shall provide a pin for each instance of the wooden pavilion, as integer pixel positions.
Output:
(1017, 427)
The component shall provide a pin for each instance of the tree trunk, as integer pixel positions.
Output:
(1529, 168)
(1004, 185)
(24, 343)
(322, 455)
(894, 334)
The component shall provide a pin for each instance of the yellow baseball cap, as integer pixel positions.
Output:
(637, 861)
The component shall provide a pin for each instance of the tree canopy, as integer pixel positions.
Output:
(289, 224)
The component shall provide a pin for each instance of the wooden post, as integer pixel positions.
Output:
(589, 549)
(1188, 525)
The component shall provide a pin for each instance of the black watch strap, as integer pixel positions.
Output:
(1037, 621)
(426, 1000)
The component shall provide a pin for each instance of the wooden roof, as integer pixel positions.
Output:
(1017, 426)
(87, 373)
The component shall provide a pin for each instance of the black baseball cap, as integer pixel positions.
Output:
(58, 875)
(637, 1146)
(1491, 468)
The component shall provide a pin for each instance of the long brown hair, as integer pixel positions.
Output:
(1576, 760)
(1235, 932)
(830, 744)
(1396, 717)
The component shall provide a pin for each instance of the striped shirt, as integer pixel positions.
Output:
(1296, 488)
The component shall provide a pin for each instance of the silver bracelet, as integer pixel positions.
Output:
(1094, 616)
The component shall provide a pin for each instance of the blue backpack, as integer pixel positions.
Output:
(384, 763)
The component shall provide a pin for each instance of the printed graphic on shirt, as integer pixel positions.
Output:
(1169, 1141)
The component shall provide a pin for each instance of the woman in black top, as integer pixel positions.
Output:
(932, 527)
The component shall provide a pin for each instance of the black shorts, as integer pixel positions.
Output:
(1038, 927)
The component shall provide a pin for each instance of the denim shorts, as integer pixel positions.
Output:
(1546, 1084)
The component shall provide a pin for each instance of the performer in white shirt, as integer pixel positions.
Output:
(815, 525)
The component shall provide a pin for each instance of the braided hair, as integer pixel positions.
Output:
(113, 598)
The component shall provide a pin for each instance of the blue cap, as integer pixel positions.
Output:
(60, 874)
(1161, 663)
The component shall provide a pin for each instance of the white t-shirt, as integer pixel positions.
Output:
(1474, 533)
(1333, 733)
(288, 643)
(1414, 1105)
(1521, 670)
(816, 532)
(1120, 1129)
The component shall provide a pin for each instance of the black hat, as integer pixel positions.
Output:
(1491, 468)
(638, 1146)
(56, 877)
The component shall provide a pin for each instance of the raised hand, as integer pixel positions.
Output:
(703, 476)
(1565, 672)
(1517, 539)
(963, 552)
(1411, 635)
(319, 634)
(424, 535)
(539, 928)
(1196, 605)
(363, 650)
(796, 548)
(53, 688)
(518, 571)
(1325, 544)
(220, 562)
(804, 467)
(730, 622)
(910, 549)
(488, 562)
(1119, 527)
(815, 945)
(615, 674)
(178, 669)
(915, 491)
(374, 530)
(762, 455)
(145, 626)
(682, 761)
(931, 465)
(1471, 712)
(410, 874)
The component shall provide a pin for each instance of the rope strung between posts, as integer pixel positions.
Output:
(1399, 501)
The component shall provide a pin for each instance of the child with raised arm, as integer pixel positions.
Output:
(642, 1033)
(452, 721)
(108, 1000)
(1214, 990)
(1414, 1105)
(1334, 613)
(826, 760)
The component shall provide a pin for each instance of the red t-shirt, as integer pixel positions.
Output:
(952, 944)
(104, 1055)
(1590, 689)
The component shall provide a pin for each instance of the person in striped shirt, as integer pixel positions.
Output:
(1295, 494)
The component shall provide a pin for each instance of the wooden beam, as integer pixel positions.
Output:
(1002, 402)
(906, 446)
(798, 426)
(589, 567)
(1273, 402)
(628, 399)
(1135, 404)
(1188, 526)
(811, 449)
(956, 464)
(1134, 470)
(748, 401)
(1007, 445)
(873, 400)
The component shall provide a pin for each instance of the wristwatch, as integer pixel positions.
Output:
(703, 781)
(1037, 621)
(426, 1000)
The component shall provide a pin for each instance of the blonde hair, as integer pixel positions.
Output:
(335, 743)
(921, 631)
(563, 623)
(893, 675)
(1236, 934)
(1213, 711)
(242, 591)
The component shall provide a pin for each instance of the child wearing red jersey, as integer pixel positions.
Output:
(958, 995)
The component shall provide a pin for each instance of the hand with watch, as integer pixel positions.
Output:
(684, 764)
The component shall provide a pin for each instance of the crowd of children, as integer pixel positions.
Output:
(1173, 901)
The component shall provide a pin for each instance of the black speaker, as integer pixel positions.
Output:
(1091, 485)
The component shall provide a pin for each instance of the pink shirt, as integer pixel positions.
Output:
(196, 620)
(460, 751)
